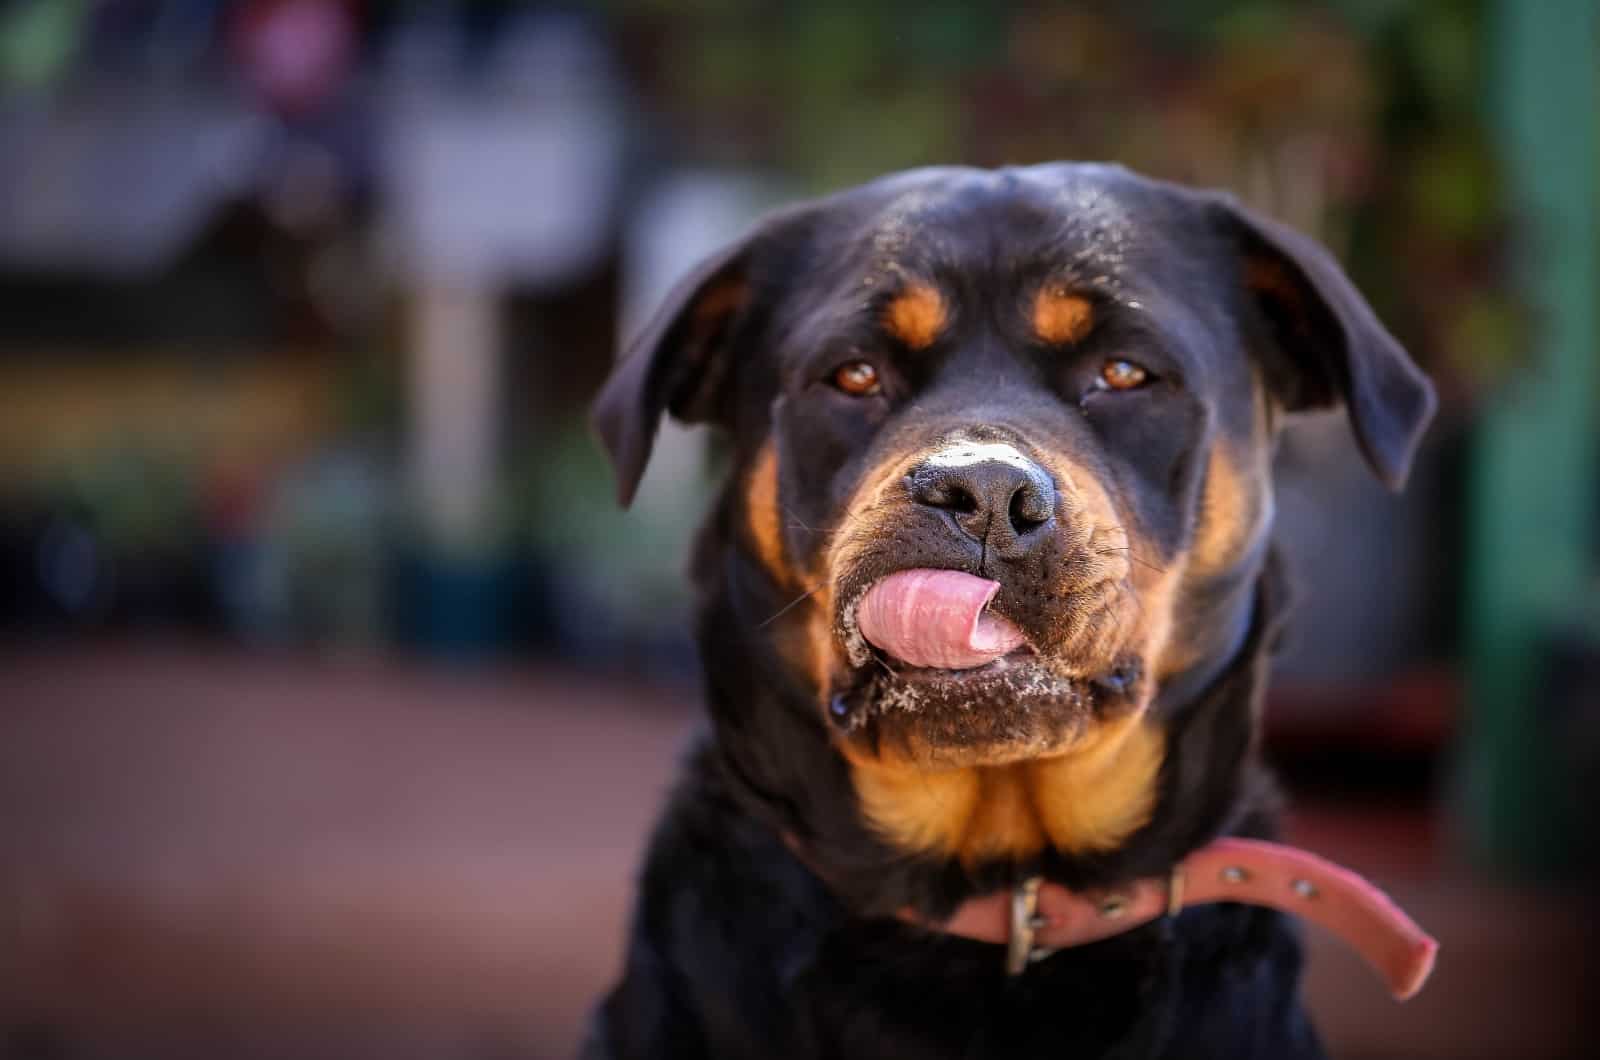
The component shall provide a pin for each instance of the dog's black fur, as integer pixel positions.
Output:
(765, 920)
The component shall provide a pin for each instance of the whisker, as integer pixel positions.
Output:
(1112, 529)
(791, 605)
(813, 530)
(1111, 616)
(798, 523)
(1131, 555)
(1127, 590)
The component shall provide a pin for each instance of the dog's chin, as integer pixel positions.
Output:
(1016, 708)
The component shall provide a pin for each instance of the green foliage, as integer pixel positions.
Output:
(141, 499)
(1359, 120)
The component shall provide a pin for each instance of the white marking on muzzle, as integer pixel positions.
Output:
(965, 453)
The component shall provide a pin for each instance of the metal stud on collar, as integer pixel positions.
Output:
(1304, 888)
(1114, 906)
(1234, 874)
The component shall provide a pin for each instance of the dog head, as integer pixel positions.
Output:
(1021, 421)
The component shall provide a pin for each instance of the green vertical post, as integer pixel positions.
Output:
(1535, 474)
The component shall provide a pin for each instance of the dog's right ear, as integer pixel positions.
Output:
(679, 363)
(1335, 350)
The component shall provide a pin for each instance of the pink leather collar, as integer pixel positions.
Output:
(1037, 918)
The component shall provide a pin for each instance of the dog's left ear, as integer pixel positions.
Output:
(1335, 350)
(679, 363)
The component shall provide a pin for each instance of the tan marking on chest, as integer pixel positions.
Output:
(1088, 800)
(1096, 797)
(916, 809)
(916, 315)
(1061, 316)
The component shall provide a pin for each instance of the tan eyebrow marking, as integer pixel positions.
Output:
(916, 315)
(1061, 316)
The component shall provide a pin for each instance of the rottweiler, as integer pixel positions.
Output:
(984, 609)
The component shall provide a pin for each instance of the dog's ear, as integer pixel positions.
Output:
(680, 362)
(1333, 348)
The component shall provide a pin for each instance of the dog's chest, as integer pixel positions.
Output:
(1084, 802)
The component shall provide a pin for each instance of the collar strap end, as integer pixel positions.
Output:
(1037, 918)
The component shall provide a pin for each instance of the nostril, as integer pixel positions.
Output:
(1005, 499)
(1029, 509)
(952, 496)
(960, 500)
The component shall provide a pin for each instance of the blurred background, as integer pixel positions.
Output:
(335, 694)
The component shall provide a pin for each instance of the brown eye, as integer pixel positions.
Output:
(1123, 375)
(858, 379)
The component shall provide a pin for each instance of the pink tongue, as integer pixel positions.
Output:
(935, 619)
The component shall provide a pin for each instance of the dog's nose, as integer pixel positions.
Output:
(1005, 503)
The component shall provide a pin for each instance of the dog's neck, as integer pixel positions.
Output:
(1219, 639)
(776, 756)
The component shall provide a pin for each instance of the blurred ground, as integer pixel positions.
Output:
(217, 854)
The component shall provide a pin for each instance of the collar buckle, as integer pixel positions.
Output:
(1025, 924)
(1175, 882)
